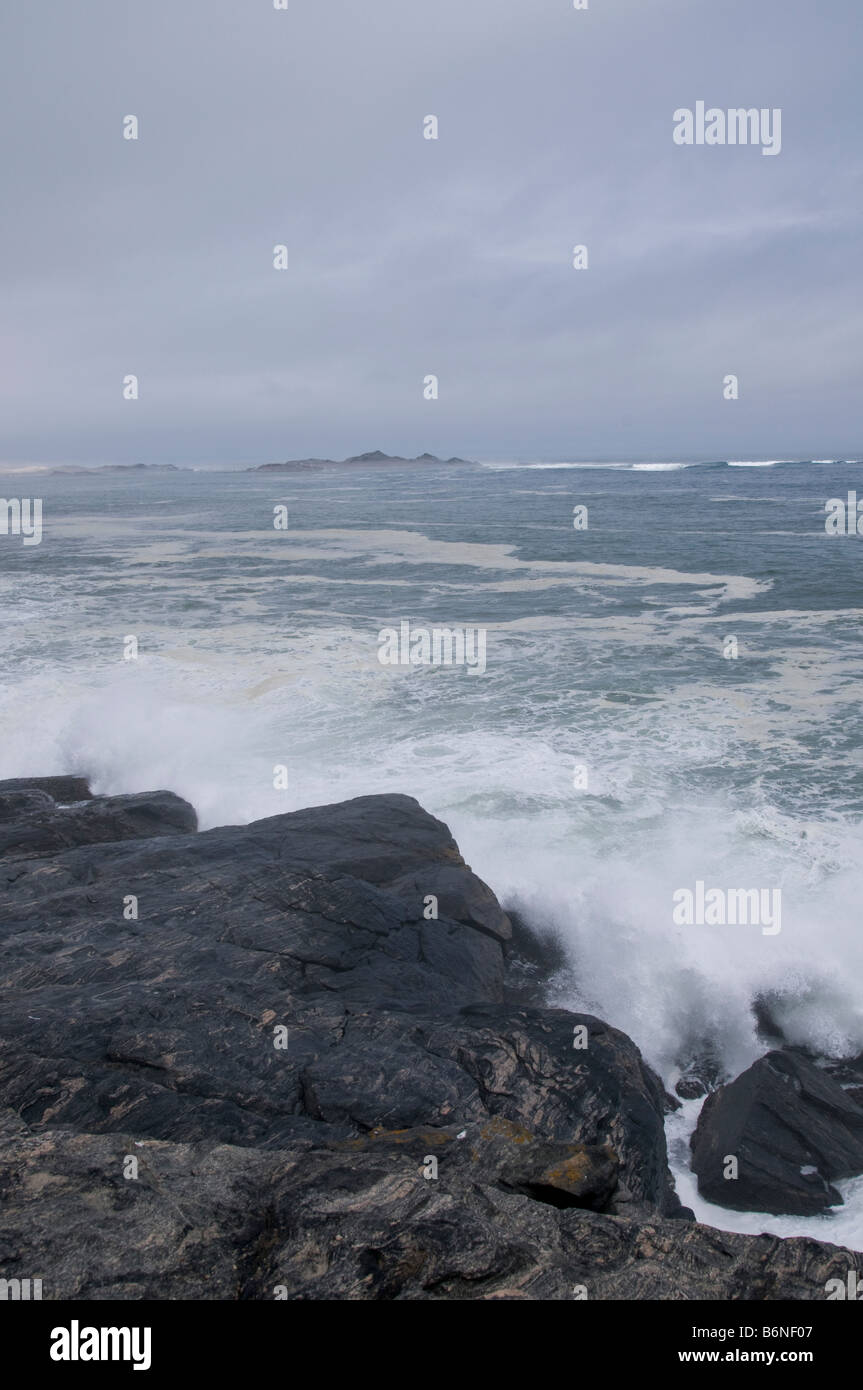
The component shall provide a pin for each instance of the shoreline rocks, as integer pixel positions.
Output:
(276, 1028)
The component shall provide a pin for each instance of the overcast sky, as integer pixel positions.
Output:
(411, 256)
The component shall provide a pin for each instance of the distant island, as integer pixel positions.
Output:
(375, 456)
(74, 470)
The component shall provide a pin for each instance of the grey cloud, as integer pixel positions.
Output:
(412, 256)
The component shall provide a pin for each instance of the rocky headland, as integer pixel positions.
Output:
(308, 1058)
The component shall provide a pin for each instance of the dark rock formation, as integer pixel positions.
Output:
(690, 1087)
(31, 820)
(254, 1059)
(702, 1073)
(60, 789)
(793, 1130)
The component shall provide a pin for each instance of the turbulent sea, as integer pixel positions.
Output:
(607, 650)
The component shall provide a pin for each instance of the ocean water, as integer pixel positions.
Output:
(607, 650)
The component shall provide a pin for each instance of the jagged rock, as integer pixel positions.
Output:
(62, 789)
(702, 1073)
(15, 804)
(32, 822)
(690, 1087)
(163, 1023)
(793, 1131)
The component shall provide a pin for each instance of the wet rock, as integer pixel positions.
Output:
(793, 1131)
(702, 1071)
(32, 822)
(535, 963)
(690, 1087)
(26, 802)
(64, 790)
